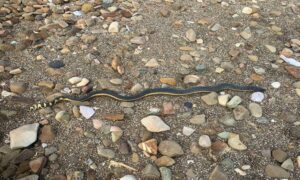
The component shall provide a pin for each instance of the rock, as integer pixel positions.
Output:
(246, 34)
(47, 134)
(114, 117)
(253, 58)
(136, 88)
(235, 143)
(219, 147)
(276, 85)
(139, 40)
(97, 123)
(295, 131)
(58, 177)
(247, 10)
(86, 112)
(18, 87)
(240, 112)
(298, 161)
(191, 35)
(204, 141)
(217, 174)
(164, 12)
(116, 81)
(113, 27)
(62, 116)
(83, 82)
(224, 135)
(227, 121)
(276, 172)
(23, 136)
(88, 39)
(46, 84)
(271, 48)
(186, 57)
(168, 108)
(30, 177)
(107, 153)
(294, 71)
(257, 97)
(200, 68)
(223, 99)
(53, 157)
(298, 92)
(164, 161)
(116, 133)
(255, 110)
(127, 104)
(75, 80)
(128, 177)
(198, 119)
(168, 81)
(191, 79)
(234, 102)
(279, 155)
(259, 70)
(287, 52)
(150, 172)
(149, 146)
(56, 64)
(26, 154)
(288, 164)
(170, 148)
(37, 164)
(166, 173)
(152, 63)
(86, 7)
(50, 150)
(210, 99)
(188, 131)
(194, 148)
(215, 27)
(154, 124)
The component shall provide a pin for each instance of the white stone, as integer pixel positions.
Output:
(204, 141)
(113, 27)
(247, 10)
(23, 136)
(235, 142)
(83, 82)
(128, 177)
(86, 111)
(257, 97)
(75, 80)
(276, 85)
(223, 99)
(154, 124)
(188, 131)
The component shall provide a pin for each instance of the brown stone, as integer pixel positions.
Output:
(47, 134)
(37, 165)
(168, 108)
(256, 77)
(294, 71)
(168, 81)
(114, 117)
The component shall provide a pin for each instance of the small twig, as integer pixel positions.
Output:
(120, 164)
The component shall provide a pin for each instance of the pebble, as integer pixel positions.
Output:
(228, 121)
(287, 52)
(224, 135)
(210, 99)
(87, 39)
(37, 164)
(166, 173)
(204, 141)
(16, 71)
(86, 7)
(164, 12)
(50, 150)
(253, 58)
(30, 177)
(62, 116)
(86, 112)
(56, 64)
(276, 85)
(139, 40)
(223, 99)
(235, 143)
(215, 27)
(263, 120)
(170, 148)
(272, 49)
(116, 133)
(246, 34)
(47, 134)
(188, 131)
(191, 35)
(53, 157)
(149, 146)
(18, 87)
(97, 124)
(217, 174)
(234, 102)
(83, 82)
(168, 81)
(298, 161)
(191, 79)
(198, 119)
(195, 148)
(116, 81)
(168, 108)
(279, 155)
(128, 177)
(255, 110)
(257, 97)
(294, 71)
(154, 124)
(46, 84)
(247, 10)
(276, 172)
(186, 57)
(152, 63)
(259, 70)
(113, 27)
(164, 161)
(75, 80)
(136, 88)
(23, 136)
(150, 172)
(240, 112)
(297, 84)
(295, 131)
(288, 164)
(114, 117)
(298, 92)
(107, 153)
(200, 68)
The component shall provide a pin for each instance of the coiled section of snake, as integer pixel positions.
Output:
(150, 92)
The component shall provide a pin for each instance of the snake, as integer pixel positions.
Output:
(150, 92)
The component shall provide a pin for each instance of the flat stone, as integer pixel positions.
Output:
(154, 124)
(223, 99)
(210, 99)
(25, 155)
(255, 110)
(204, 141)
(18, 87)
(240, 112)
(166, 173)
(279, 155)
(46, 84)
(198, 119)
(186, 57)
(168, 108)
(23, 136)
(187, 131)
(217, 174)
(47, 134)
(271, 48)
(37, 164)
(294, 71)
(191, 35)
(288, 164)
(113, 27)
(227, 121)
(234, 102)
(139, 40)
(107, 153)
(191, 79)
(86, 112)
(247, 10)
(168, 81)
(152, 63)
(164, 161)
(150, 172)
(295, 131)
(170, 148)
(276, 172)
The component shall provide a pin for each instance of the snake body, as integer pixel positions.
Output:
(150, 92)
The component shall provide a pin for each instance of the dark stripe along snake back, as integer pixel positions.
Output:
(150, 92)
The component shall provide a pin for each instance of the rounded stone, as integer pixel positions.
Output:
(56, 64)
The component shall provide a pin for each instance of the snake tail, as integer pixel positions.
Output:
(46, 104)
